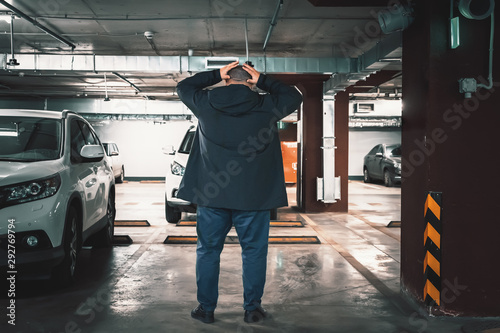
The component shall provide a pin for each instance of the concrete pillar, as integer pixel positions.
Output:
(450, 145)
(311, 87)
(312, 127)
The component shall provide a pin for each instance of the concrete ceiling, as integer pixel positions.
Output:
(311, 31)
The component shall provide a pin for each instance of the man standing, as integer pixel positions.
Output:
(235, 175)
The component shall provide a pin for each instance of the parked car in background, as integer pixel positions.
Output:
(113, 155)
(173, 205)
(383, 162)
(57, 192)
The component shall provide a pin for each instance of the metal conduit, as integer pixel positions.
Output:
(36, 24)
(272, 23)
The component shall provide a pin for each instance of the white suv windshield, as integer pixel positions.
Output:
(29, 139)
(187, 143)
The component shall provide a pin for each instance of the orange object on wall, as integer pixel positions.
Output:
(289, 152)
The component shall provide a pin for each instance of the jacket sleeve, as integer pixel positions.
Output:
(286, 99)
(191, 91)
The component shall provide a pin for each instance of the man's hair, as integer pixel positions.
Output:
(239, 74)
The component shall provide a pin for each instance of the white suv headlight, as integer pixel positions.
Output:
(177, 169)
(29, 191)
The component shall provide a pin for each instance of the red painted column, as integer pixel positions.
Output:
(311, 87)
(342, 151)
(312, 130)
(449, 145)
(312, 126)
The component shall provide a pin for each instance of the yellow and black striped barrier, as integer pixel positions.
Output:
(234, 240)
(432, 245)
(132, 223)
(277, 224)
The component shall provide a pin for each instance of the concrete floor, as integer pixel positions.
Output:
(348, 283)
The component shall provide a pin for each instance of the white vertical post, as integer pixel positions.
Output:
(328, 189)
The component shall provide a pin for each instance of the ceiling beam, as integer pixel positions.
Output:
(349, 3)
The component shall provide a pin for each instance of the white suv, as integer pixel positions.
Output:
(173, 205)
(56, 191)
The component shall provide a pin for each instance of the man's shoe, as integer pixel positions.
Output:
(255, 316)
(205, 316)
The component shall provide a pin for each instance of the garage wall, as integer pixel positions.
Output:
(363, 139)
(141, 143)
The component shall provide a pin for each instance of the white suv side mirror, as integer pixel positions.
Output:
(168, 150)
(92, 152)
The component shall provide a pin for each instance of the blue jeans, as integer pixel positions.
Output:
(213, 224)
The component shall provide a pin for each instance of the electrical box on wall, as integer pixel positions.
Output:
(467, 86)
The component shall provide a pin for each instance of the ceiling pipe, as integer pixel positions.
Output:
(12, 61)
(106, 98)
(137, 89)
(272, 24)
(246, 37)
(36, 24)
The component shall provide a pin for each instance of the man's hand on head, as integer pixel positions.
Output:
(253, 72)
(227, 68)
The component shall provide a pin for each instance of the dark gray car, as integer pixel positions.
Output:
(383, 162)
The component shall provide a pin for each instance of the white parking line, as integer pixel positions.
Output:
(371, 186)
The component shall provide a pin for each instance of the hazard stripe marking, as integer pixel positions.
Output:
(431, 204)
(433, 235)
(432, 248)
(132, 223)
(234, 240)
(433, 292)
(274, 224)
(433, 263)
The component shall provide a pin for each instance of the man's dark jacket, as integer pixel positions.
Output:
(236, 161)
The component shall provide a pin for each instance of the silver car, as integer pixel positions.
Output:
(115, 159)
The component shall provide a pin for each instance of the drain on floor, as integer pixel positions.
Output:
(132, 223)
(122, 240)
(234, 240)
(275, 224)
